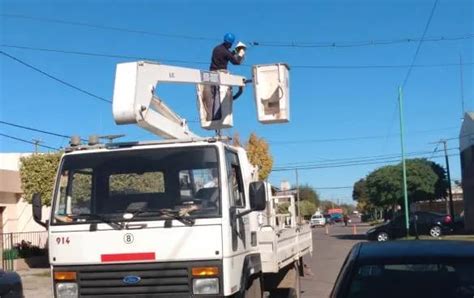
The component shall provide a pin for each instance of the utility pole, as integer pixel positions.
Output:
(36, 143)
(451, 205)
(462, 86)
(297, 196)
(404, 168)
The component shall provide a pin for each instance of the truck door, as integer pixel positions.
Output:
(240, 226)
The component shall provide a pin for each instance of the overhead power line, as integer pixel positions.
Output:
(29, 142)
(55, 78)
(407, 76)
(344, 139)
(35, 129)
(120, 29)
(249, 41)
(353, 44)
(91, 54)
(348, 164)
(329, 162)
(335, 67)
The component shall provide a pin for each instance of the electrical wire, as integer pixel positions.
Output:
(420, 154)
(91, 54)
(254, 43)
(357, 138)
(349, 164)
(359, 158)
(335, 67)
(55, 78)
(35, 129)
(352, 44)
(29, 142)
(419, 43)
(121, 29)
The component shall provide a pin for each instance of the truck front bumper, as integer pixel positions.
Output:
(163, 279)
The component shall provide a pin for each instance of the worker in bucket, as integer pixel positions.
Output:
(221, 56)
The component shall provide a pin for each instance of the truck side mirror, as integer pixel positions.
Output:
(37, 209)
(258, 196)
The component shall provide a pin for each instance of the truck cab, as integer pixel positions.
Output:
(162, 219)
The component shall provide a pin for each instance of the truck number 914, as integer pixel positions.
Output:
(62, 240)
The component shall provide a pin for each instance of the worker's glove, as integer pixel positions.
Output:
(241, 53)
(240, 49)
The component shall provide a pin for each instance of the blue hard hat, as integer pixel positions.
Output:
(229, 37)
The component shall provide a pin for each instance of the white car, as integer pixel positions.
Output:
(317, 220)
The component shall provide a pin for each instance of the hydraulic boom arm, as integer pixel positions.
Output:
(135, 100)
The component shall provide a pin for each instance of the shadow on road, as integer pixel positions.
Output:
(350, 237)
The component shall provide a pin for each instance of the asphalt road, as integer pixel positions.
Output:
(329, 252)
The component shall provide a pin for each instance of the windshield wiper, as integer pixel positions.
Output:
(116, 225)
(165, 213)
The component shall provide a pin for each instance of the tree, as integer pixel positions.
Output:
(359, 193)
(307, 208)
(307, 193)
(236, 140)
(259, 155)
(425, 181)
(38, 172)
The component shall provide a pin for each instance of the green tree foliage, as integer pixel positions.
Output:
(259, 155)
(307, 193)
(282, 208)
(151, 182)
(361, 195)
(37, 174)
(360, 191)
(425, 181)
(307, 208)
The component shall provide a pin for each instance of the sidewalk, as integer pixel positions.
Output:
(36, 283)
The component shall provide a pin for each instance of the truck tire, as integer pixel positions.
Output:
(289, 286)
(254, 290)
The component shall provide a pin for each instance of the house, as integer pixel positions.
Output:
(15, 212)
(466, 146)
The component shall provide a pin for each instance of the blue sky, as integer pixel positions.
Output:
(326, 103)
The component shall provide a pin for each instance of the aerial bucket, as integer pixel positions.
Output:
(272, 92)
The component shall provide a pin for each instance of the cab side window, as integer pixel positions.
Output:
(234, 180)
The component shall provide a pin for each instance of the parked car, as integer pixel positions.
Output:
(10, 285)
(458, 223)
(408, 269)
(336, 217)
(317, 220)
(427, 223)
(329, 220)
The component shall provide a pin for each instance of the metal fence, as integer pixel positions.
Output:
(18, 245)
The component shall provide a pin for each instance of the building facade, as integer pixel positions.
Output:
(15, 212)
(466, 146)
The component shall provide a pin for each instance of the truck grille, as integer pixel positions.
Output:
(156, 280)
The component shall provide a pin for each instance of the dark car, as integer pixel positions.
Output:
(10, 285)
(426, 223)
(408, 269)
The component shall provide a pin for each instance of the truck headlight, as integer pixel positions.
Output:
(66, 290)
(203, 286)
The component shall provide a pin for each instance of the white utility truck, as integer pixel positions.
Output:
(180, 217)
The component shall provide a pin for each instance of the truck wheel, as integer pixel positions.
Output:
(255, 289)
(290, 285)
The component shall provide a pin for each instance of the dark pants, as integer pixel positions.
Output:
(212, 102)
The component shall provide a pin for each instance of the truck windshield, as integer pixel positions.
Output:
(145, 184)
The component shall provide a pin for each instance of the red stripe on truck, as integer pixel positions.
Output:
(141, 256)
